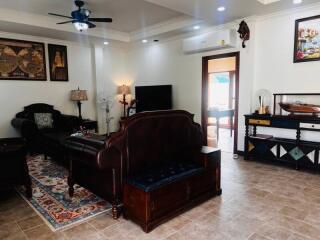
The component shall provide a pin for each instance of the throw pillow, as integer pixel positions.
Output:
(43, 120)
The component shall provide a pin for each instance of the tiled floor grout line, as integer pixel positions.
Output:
(25, 230)
(253, 201)
(291, 230)
(24, 234)
(64, 235)
(260, 235)
(100, 231)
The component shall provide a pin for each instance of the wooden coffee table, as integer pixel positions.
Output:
(14, 169)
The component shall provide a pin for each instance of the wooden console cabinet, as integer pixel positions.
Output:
(295, 151)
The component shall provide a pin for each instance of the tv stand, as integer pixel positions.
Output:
(294, 151)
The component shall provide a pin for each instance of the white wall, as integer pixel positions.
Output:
(165, 63)
(275, 70)
(111, 72)
(266, 63)
(87, 70)
(14, 95)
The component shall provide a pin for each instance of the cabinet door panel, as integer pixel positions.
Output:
(199, 184)
(168, 198)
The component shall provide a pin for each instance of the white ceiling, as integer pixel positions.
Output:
(133, 19)
(128, 15)
(235, 9)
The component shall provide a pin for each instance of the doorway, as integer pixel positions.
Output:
(220, 100)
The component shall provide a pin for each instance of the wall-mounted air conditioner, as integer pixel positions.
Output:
(211, 41)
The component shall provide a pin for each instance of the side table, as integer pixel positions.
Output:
(90, 125)
(14, 168)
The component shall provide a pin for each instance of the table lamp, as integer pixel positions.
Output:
(124, 90)
(78, 96)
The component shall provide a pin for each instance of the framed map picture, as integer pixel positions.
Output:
(307, 39)
(22, 60)
(58, 61)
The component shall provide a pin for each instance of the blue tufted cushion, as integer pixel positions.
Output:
(154, 178)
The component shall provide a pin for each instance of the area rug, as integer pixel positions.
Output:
(51, 199)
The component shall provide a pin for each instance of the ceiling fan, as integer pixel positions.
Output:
(81, 18)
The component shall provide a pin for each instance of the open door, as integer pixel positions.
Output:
(220, 97)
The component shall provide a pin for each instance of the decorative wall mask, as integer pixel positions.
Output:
(244, 32)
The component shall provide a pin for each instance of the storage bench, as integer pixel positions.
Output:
(155, 195)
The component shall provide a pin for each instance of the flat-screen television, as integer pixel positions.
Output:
(152, 98)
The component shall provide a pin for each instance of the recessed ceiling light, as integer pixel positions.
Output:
(266, 2)
(196, 27)
(144, 41)
(106, 43)
(297, 1)
(221, 8)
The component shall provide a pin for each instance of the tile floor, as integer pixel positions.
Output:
(259, 202)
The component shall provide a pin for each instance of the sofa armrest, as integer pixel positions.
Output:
(27, 128)
(69, 123)
(110, 158)
(81, 146)
(210, 157)
(93, 152)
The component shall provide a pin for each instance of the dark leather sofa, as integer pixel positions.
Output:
(49, 141)
(163, 144)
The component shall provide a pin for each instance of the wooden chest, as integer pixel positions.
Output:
(150, 209)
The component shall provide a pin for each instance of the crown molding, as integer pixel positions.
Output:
(174, 24)
(173, 29)
(209, 29)
(26, 37)
(284, 13)
(251, 19)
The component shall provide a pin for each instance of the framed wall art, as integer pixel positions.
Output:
(307, 39)
(22, 60)
(58, 61)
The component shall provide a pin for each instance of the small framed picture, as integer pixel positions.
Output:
(58, 61)
(307, 39)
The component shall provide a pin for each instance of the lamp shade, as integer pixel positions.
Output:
(124, 90)
(79, 95)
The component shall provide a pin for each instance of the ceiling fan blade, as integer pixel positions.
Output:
(100, 19)
(65, 22)
(59, 15)
(91, 25)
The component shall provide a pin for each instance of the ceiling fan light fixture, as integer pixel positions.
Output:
(81, 26)
(81, 18)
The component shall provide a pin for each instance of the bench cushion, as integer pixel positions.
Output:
(154, 178)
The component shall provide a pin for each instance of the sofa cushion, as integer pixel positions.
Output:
(43, 120)
(153, 178)
(56, 137)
